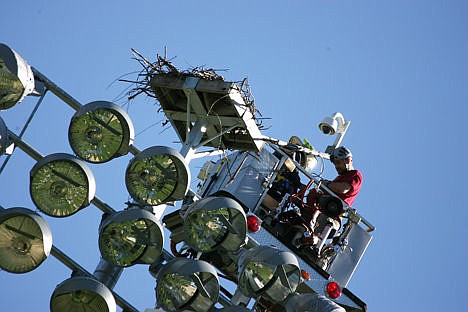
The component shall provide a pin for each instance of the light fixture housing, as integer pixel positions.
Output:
(215, 222)
(187, 285)
(61, 185)
(16, 78)
(25, 240)
(331, 206)
(82, 293)
(268, 272)
(100, 131)
(131, 236)
(311, 302)
(158, 174)
(3, 137)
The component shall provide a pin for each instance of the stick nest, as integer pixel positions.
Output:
(162, 66)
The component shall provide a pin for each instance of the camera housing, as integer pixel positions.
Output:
(328, 125)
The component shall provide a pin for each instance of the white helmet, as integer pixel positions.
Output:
(340, 153)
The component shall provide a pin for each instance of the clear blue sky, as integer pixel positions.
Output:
(397, 69)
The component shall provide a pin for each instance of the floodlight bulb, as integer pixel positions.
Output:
(100, 131)
(215, 222)
(121, 241)
(269, 272)
(187, 285)
(81, 293)
(175, 291)
(25, 240)
(61, 184)
(157, 175)
(131, 236)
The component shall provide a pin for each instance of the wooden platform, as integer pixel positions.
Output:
(185, 100)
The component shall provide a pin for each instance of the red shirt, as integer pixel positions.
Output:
(353, 178)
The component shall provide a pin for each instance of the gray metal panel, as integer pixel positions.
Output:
(244, 176)
(317, 282)
(346, 261)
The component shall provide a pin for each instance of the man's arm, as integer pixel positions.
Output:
(338, 187)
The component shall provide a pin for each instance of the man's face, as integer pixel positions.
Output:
(340, 166)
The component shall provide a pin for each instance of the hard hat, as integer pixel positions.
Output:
(340, 153)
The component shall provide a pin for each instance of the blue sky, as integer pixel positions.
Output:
(397, 69)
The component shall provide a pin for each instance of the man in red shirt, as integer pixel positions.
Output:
(348, 182)
(346, 186)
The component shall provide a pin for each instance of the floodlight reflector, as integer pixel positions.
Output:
(131, 236)
(16, 78)
(157, 175)
(215, 222)
(25, 240)
(269, 272)
(187, 285)
(100, 131)
(80, 293)
(61, 184)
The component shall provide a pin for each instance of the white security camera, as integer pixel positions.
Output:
(328, 126)
(335, 124)
(331, 125)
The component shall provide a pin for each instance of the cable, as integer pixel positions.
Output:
(31, 116)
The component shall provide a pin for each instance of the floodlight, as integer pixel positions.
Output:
(25, 240)
(331, 206)
(187, 285)
(157, 175)
(131, 236)
(311, 302)
(3, 136)
(215, 222)
(82, 293)
(61, 184)
(268, 272)
(16, 78)
(100, 131)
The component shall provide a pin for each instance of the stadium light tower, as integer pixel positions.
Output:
(218, 229)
